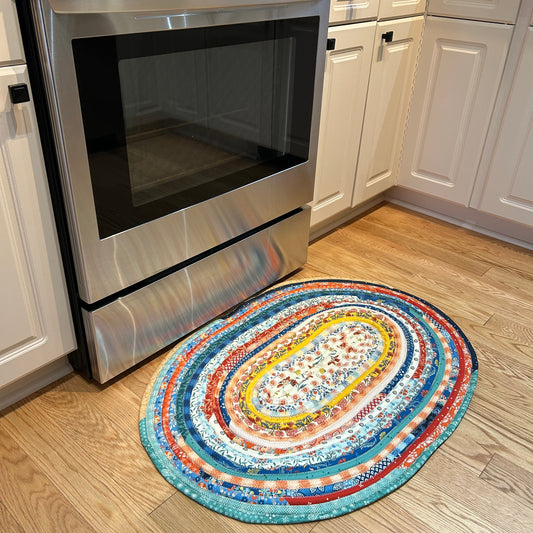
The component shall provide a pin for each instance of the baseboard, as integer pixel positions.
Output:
(33, 382)
(333, 222)
(466, 217)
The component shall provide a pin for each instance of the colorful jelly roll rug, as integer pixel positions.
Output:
(308, 401)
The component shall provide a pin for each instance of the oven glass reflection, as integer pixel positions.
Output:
(174, 118)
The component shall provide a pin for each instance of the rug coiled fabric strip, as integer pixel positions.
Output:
(308, 401)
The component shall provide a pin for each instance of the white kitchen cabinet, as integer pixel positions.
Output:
(488, 10)
(391, 79)
(343, 105)
(11, 51)
(35, 322)
(400, 8)
(342, 11)
(457, 81)
(508, 189)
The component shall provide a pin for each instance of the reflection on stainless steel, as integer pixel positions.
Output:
(133, 327)
(110, 6)
(106, 266)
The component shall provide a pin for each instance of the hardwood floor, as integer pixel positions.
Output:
(71, 459)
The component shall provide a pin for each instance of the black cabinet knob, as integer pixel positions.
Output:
(330, 44)
(19, 93)
(387, 37)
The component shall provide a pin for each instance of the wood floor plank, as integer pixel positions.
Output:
(134, 469)
(512, 282)
(7, 522)
(421, 248)
(509, 402)
(137, 379)
(450, 498)
(30, 495)
(521, 333)
(179, 513)
(103, 442)
(88, 485)
(438, 273)
(510, 478)
(353, 263)
(486, 250)
(476, 441)
(383, 516)
(509, 365)
(514, 356)
(348, 523)
(438, 510)
(106, 399)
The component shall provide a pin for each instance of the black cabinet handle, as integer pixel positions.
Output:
(387, 37)
(19, 93)
(330, 44)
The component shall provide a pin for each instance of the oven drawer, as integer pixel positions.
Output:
(138, 325)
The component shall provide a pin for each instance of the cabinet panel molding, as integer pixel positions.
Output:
(19, 314)
(487, 10)
(457, 82)
(11, 51)
(455, 73)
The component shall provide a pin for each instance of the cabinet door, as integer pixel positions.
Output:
(35, 322)
(400, 8)
(343, 104)
(10, 41)
(352, 10)
(489, 10)
(508, 191)
(390, 85)
(458, 75)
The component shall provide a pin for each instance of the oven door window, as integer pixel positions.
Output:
(176, 117)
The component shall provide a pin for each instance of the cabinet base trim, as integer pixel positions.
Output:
(465, 217)
(344, 216)
(33, 382)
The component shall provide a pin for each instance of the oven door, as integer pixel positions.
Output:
(179, 128)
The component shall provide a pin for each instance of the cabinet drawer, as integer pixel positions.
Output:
(352, 10)
(400, 8)
(489, 10)
(10, 41)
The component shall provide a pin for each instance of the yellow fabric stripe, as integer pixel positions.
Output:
(252, 383)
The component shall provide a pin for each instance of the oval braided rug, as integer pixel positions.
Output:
(308, 401)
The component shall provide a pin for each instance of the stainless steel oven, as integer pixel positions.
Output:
(186, 135)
